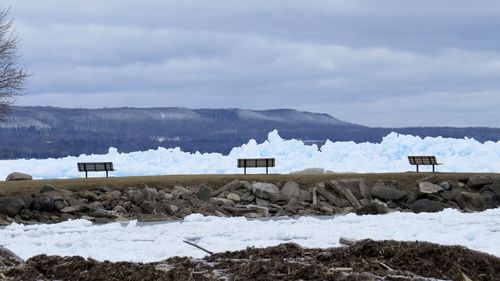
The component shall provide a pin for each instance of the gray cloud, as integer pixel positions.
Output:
(379, 63)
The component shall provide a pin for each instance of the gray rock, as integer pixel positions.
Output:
(228, 187)
(204, 193)
(234, 197)
(221, 201)
(495, 187)
(101, 188)
(47, 188)
(479, 181)
(2, 193)
(17, 176)
(445, 185)
(426, 205)
(119, 210)
(384, 192)
(491, 199)
(135, 196)
(432, 179)
(429, 188)
(261, 202)
(291, 189)
(73, 209)
(87, 194)
(11, 205)
(181, 191)
(372, 208)
(46, 202)
(264, 190)
(150, 193)
(469, 201)
(109, 196)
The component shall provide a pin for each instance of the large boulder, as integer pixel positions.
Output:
(49, 202)
(495, 188)
(150, 193)
(479, 181)
(264, 190)
(204, 193)
(135, 196)
(17, 176)
(291, 189)
(380, 190)
(11, 205)
(426, 205)
(469, 201)
(429, 188)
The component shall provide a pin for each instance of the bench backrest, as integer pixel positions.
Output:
(422, 160)
(256, 162)
(95, 166)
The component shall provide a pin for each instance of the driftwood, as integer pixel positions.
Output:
(347, 241)
(199, 247)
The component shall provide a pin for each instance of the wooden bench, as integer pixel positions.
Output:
(95, 167)
(256, 163)
(423, 160)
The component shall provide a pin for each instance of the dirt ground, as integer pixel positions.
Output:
(405, 179)
(365, 260)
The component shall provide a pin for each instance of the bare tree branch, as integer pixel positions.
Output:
(12, 77)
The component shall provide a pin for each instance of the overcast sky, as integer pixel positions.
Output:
(377, 63)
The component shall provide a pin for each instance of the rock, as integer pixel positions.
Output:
(180, 191)
(445, 185)
(87, 194)
(221, 201)
(86, 217)
(351, 198)
(165, 195)
(47, 188)
(495, 187)
(119, 210)
(104, 214)
(469, 201)
(305, 196)
(28, 198)
(150, 193)
(426, 205)
(73, 209)
(429, 188)
(135, 196)
(109, 196)
(333, 199)
(2, 193)
(173, 208)
(372, 208)
(479, 181)
(291, 189)
(491, 199)
(49, 202)
(261, 202)
(17, 176)
(293, 206)
(11, 205)
(234, 197)
(204, 193)
(380, 190)
(264, 190)
(228, 187)
(365, 190)
(101, 188)
(432, 179)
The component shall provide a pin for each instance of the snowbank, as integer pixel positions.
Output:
(458, 155)
(146, 243)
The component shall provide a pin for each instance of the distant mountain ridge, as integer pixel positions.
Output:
(42, 132)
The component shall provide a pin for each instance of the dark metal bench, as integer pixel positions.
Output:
(423, 160)
(95, 167)
(256, 163)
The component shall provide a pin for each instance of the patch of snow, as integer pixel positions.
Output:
(154, 242)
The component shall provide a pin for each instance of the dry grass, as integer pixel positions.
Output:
(404, 179)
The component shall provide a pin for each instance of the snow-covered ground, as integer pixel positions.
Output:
(153, 242)
(458, 155)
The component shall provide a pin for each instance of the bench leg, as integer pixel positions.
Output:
(86, 175)
(417, 168)
(433, 169)
(106, 173)
(245, 170)
(267, 171)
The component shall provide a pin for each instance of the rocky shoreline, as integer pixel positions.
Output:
(251, 198)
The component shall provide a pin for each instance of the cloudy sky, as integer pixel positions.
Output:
(373, 62)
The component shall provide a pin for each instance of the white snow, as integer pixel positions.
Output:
(145, 243)
(458, 155)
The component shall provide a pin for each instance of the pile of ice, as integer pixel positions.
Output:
(458, 155)
(154, 242)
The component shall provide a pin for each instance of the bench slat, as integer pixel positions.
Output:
(95, 166)
(256, 162)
